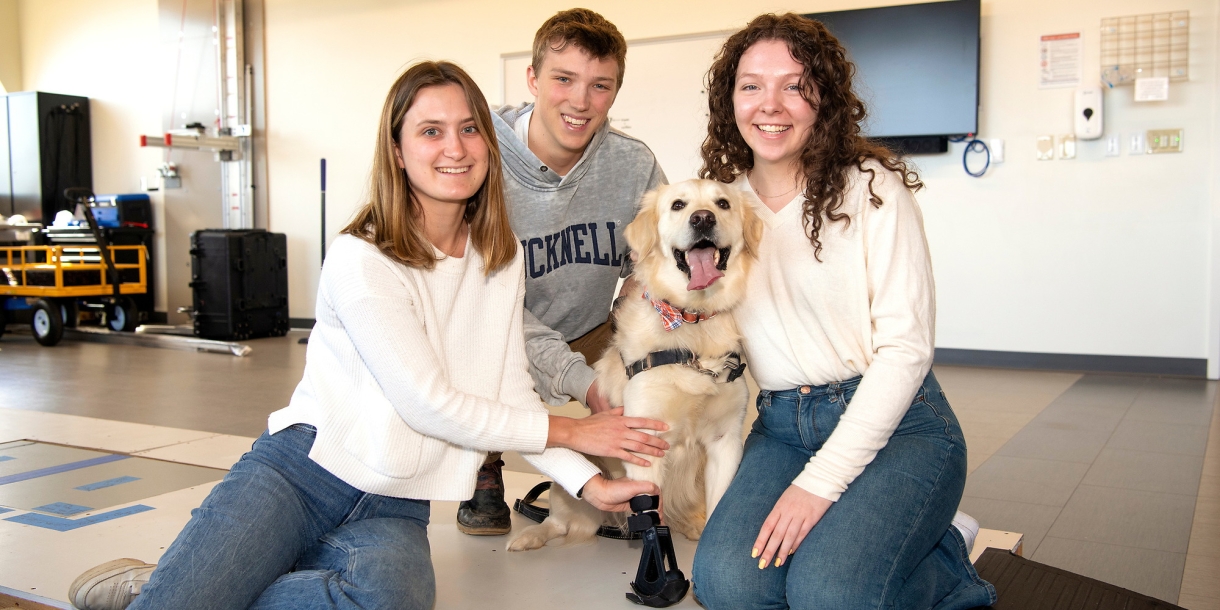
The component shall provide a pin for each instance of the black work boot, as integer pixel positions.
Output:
(486, 514)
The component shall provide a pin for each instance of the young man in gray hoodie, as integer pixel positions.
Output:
(572, 185)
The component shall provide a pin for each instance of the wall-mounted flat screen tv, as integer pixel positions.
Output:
(918, 70)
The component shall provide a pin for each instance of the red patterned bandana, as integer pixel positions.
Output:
(673, 317)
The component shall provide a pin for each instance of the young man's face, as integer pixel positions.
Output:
(573, 93)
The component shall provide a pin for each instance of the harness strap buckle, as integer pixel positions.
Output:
(732, 363)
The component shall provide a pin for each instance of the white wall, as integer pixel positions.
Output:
(329, 67)
(10, 46)
(1213, 313)
(108, 52)
(1090, 256)
(1095, 255)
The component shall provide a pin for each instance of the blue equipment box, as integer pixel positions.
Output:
(106, 216)
(133, 210)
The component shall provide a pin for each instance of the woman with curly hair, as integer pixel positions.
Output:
(852, 473)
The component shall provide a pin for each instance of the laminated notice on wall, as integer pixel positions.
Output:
(1060, 57)
(1152, 89)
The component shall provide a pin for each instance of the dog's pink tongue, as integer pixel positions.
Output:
(703, 271)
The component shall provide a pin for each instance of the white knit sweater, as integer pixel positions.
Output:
(412, 376)
(868, 308)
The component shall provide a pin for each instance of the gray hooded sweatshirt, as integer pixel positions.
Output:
(571, 230)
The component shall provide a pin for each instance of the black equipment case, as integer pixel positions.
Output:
(240, 283)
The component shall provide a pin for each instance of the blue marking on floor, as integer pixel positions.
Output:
(107, 483)
(61, 524)
(42, 472)
(63, 508)
(5, 510)
(5, 458)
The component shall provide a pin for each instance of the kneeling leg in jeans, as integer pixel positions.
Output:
(885, 532)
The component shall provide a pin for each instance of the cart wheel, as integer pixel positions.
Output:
(46, 322)
(70, 312)
(122, 316)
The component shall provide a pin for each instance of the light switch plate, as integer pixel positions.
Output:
(996, 148)
(1046, 148)
(1164, 140)
(1135, 146)
(1067, 146)
(1114, 146)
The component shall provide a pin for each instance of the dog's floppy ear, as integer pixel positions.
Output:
(641, 234)
(751, 228)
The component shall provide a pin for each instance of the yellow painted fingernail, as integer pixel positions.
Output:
(779, 562)
(762, 563)
(753, 553)
(792, 552)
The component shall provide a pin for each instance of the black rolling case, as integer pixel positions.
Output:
(240, 283)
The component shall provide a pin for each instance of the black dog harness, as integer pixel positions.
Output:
(732, 364)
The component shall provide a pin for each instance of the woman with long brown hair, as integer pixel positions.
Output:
(853, 471)
(415, 369)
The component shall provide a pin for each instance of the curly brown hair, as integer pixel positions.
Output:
(835, 146)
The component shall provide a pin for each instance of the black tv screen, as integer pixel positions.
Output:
(917, 66)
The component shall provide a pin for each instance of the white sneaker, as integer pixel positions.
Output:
(110, 586)
(968, 526)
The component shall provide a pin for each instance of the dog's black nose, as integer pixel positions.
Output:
(703, 220)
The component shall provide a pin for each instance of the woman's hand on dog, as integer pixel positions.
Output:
(615, 495)
(609, 434)
(796, 512)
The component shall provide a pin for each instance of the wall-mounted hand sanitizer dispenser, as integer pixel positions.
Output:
(1088, 113)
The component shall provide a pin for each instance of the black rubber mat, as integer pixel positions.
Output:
(1022, 584)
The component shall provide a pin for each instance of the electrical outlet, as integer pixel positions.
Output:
(1114, 145)
(1067, 146)
(1046, 148)
(1135, 146)
(996, 146)
(1164, 140)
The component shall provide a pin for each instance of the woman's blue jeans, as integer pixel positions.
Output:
(280, 532)
(887, 542)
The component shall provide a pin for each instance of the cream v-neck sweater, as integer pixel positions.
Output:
(412, 376)
(868, 308)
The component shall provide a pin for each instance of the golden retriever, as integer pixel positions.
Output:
(694, 243)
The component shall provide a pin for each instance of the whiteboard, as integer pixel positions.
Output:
(663, 101)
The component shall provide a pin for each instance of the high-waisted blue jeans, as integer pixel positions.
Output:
(280, 532)
(887, 542)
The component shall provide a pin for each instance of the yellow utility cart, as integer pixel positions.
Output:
(64, 284)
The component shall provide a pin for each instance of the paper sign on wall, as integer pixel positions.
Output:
(1152, 89)
(1060, 60)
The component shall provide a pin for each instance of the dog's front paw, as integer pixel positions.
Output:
(530, 538)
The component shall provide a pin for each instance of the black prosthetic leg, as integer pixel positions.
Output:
(654, 585)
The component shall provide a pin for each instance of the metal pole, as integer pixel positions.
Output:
(323, 210)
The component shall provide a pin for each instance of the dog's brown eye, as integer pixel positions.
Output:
(678, 204)
(722, 204)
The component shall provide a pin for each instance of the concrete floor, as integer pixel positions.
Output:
(1115, 477)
